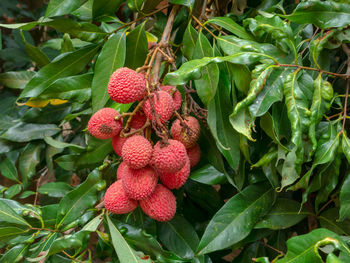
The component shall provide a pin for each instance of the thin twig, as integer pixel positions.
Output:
(203, 26)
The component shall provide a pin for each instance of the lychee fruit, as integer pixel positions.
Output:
(178, 179)
(138, 120)
(117, 201)
(175, 94)
(126, 85)
(139, 183)
(163, 106)
(194, 154)
(160, 205)
(121, 170)
(187, 135)
(102, 124)
(117, 143)
(169, 158)
(137, 151)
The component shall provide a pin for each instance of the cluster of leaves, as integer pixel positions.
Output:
(274, 182)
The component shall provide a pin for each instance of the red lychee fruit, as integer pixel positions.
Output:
(117, 201)
(194, 154)
(139, 183)
(137, 151)
(121, 170)
(160, 205)
(163, 106)
(187, 135)
(138, 120)
(117, 143)
(169, 158)
(178, 179)
(175, 94)
(126, 85)
(102, 124)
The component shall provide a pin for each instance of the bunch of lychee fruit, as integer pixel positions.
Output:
(169, 159)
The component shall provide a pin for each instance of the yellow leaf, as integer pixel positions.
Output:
(57, 101)
(34, 103)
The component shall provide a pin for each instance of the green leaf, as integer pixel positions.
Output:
(111, 57)
(206, 86)
(304, 248)
(16, 79)
(73, 205)
(329, 219)
(35, 54)
(60, 145)
(284, 214)
(189, 41)
(66, 44)
(241, 77)
(208, 175)
(231, 26)
(93, 224)
(42, 248)
(28, 160)
(64, 65)
(14, 254)
(188, 3)
(323, 93)
(136, 47)
(13, 190)
(105, 7)
(236, 218)
(179, 236)
(323, 14)
(346, 146)
(344, 199)
(96, 153)
(243, 122)
(317, 45)
(55, 189)
(124, 251)
(62, 7)
(8, 169)
(10, 216)
(75, 89)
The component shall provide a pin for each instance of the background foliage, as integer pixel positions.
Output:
(274, 180)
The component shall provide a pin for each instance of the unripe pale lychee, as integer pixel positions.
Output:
(175, 94)
(139, 183)
(126, 85)
(137, 151)
(121, 170)
(138, 120)
(117, 201)
(194, 154)
(178, 179)
(188, 136)
(169, 158)
(160, 205)
(117, 143)
(163, 106)
(102, 124)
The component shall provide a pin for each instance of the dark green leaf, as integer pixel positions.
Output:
(12, 191)
(62, 7)
(112, 57)
(73, 205)
(231, 26)
(35, 54)
(55, 189)
(346, 146)
(188, 3)
(236, 218)
(323, 14)
(28, 160)
(208, 175)
(136, 47)
(63, 66)
(241, 77)
(97, 151)
(105, 7)
(329, 219)
(8, 169)
(243, 122)
(345, 199)
(10, 216)
(16, 79)
(284, 214)
(42, 248)
(189, 41)
(59, 144)
(15, 254)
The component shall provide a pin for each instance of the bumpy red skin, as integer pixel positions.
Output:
(176, 95)
(126, 85)
(117, 201)
(139, 183)
(138, 120)
(194, 154)
(160, 205)
(187, 137)
(163, 106)
(102, 125)
(117, 143)
(121, 170)
(170, 158)
(137, 152)
(178, 179)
